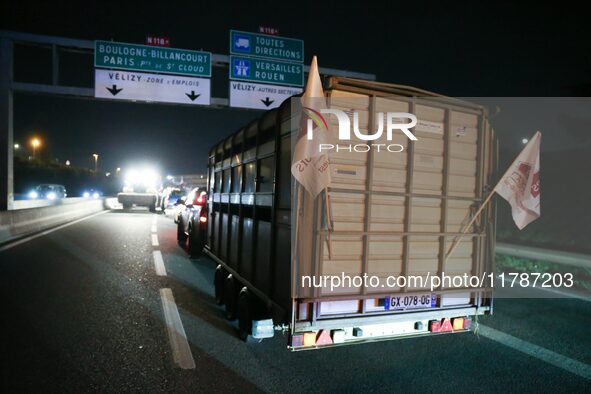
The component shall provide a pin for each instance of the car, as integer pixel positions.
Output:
(179, 207)
(170, 197)
(140, 188)
(192, 222)
(48, 191)
(91, 193)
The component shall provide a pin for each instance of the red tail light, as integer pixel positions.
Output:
(201, 200)
(203, 219)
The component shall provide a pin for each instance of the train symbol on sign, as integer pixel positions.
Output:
(242, 43)
(241, 68)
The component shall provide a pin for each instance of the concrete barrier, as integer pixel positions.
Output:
(20, 222)
(552, 256)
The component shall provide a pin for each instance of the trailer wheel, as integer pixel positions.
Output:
(195, 246)
(152, 207)
(218, 284)
(126, 206)
(244, 314)
(181, 237)
(230, 297)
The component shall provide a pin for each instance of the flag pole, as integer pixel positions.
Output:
(328, 222)
(469, 225)
(484, 203)
(298, 203)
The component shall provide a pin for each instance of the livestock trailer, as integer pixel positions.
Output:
(390, 215)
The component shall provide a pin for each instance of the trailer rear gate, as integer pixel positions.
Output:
(393, 213)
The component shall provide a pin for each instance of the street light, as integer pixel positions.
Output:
(96, 156)
(524, 141)
(35, 143)
(16, 146)
(67, 162)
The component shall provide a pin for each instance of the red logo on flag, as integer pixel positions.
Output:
(535, 185)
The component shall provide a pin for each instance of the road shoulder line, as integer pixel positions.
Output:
(558, 360)
(159, 263)
(48, 231)
(181, 351)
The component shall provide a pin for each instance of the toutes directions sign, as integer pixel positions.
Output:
(266, 46)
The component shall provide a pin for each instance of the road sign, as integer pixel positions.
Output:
(124, 56)
(130, 85)
(158, 41)
(266, 71)
(265, 46)
(259, 96)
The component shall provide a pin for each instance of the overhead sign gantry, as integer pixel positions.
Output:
(121, 81)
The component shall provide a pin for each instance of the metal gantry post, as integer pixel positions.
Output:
(6, 125)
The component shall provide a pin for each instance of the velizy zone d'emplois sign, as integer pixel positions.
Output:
(133, 85)
(108, 54)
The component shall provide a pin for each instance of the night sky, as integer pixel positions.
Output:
(458, 48)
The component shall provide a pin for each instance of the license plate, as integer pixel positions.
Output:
(410, 301)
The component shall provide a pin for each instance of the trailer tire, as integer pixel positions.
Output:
(181, 237)
(194, 246)
(218, 285)
(152, 207)
(126, 206)
(230, 299)
(244, 315)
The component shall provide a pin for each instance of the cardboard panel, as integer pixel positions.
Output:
(387, 213)
(348, 211)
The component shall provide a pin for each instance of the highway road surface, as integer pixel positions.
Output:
(110, 303)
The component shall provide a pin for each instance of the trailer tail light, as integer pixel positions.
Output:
(323, 338)
(467, 323)
(309, 339)
(446, 325)
(203, 219)
(458, 323)
(434, 325)
(297, 340)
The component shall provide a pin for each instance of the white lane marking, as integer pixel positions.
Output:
(155, 240)
(159, 263)
(51, 230)
(543, 354)
(181, 351)
(154, 228)
(154, 218)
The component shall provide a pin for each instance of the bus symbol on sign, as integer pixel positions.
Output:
(242, 43)
(241, 68)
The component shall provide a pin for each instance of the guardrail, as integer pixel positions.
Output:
(31, 218)
(552, 256)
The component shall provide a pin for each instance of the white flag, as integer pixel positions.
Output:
(520, 185)
(310, 167)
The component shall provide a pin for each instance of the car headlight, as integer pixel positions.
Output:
(33, 194)
(95, 195)
(85, 194)
(51, 196)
